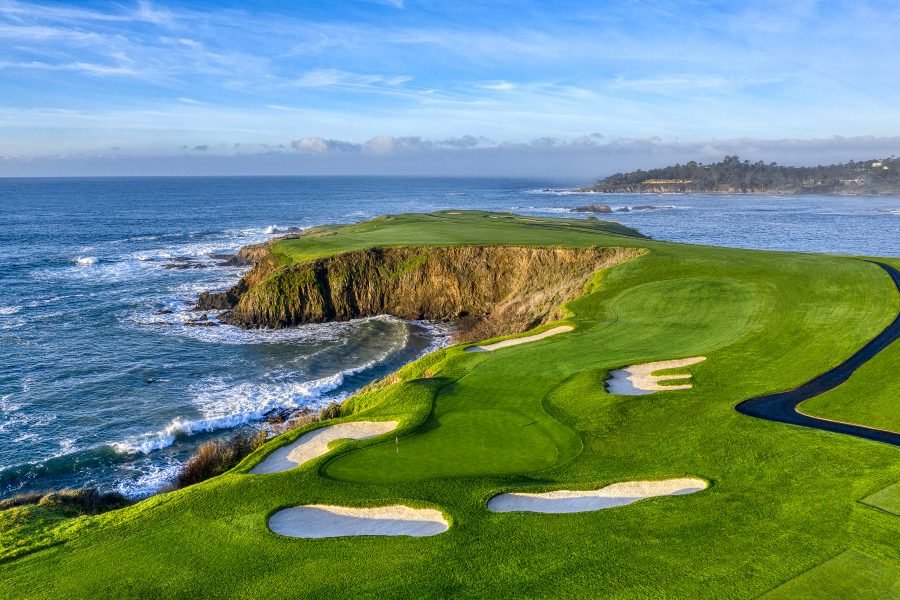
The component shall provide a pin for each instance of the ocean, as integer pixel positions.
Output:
(103, 384)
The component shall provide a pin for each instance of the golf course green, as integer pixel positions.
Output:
(789, 511)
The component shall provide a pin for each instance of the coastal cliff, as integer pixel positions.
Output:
(487, 290)
(263, 262)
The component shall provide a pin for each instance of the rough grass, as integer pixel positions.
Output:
(782, 499)
(87, 501)
(36, 520)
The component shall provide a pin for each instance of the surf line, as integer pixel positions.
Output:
(782, 406)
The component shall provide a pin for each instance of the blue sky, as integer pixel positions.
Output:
(361, 86)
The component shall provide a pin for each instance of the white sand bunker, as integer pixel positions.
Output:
(520, 340)
(638, 380)
(315, 443)
(321, 521)
(617, 494)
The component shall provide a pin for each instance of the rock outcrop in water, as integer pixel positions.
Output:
(488, 290)
(592, 208)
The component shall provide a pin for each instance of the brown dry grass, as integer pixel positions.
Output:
(88, 501)
(215, 458)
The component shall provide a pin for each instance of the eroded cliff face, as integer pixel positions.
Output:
(263, 262)
(488, 290)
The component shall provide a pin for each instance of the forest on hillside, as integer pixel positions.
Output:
(731, 175)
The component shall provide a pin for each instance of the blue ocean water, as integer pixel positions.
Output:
(101, 381)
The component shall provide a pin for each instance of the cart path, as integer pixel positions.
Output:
(782, 406)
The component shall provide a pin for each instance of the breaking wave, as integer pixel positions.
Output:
(228, 406)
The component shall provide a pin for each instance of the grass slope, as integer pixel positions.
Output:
(782, 500)
(848, 575)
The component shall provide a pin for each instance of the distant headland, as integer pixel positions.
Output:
(732, 176)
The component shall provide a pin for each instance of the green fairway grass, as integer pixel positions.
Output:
(782, 499)
(848, 575)
(887, 499)
(871, 397)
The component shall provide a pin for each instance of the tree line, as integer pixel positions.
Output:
(733, 175)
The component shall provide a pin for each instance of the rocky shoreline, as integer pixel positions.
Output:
(605, 209)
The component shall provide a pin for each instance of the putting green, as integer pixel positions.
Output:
(782, 499)
(489, 423)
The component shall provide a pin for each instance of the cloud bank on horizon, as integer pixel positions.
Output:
(439, 87)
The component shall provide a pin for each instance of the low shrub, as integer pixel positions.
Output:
(215, 458)
(332, 411)
(87, 501)
(21, 500)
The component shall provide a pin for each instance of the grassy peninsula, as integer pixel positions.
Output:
(787, 511)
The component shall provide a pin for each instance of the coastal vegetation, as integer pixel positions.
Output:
(215, 458)
(782, 501)
(731, 175)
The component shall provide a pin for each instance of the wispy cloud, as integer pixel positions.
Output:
(80, 67)
(335, 77)
(499, 86)
(386, 144)
(556, 159)
(433, 71)
(393, 3)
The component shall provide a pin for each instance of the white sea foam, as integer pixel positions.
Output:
(90, 269)
(559, 192)
(173, 323)
(7, 405)
(66, 446)
(225, 406)
(10, 416)
(9, 310)
(15, 323)
(654, 207)
(540, 209)
(15, 420)
(146, 478)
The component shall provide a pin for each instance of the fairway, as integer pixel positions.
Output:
(887, 499)
(779, 510)
(871, 397)
(848, 575)
(783, 406)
